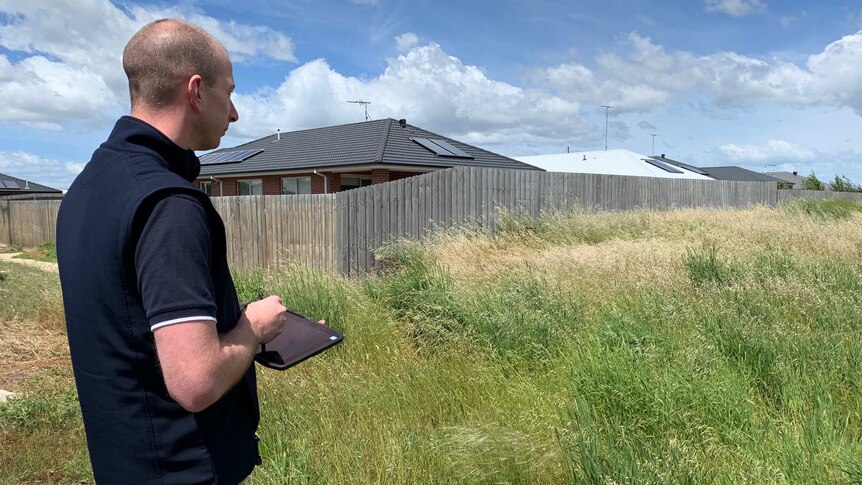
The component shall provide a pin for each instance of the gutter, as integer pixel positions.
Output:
(220, 186)
(325, 181)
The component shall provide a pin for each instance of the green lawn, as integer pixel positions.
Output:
(697, 346)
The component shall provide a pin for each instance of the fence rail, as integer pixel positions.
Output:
(340, 232)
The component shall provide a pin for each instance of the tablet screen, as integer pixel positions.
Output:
(300, 339)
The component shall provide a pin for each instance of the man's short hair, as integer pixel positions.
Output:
(163, 55)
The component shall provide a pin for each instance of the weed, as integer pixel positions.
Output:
(31, 412)
(826, 209)
(705, 266)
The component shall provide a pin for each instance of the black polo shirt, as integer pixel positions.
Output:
(140, 247)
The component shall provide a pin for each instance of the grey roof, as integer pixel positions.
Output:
(738, 174)
(788, 177)
(686, 166)
(10, 185)
(371, 142)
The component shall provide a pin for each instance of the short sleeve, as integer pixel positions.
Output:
(172, 260)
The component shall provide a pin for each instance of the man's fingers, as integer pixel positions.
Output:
(322, 322)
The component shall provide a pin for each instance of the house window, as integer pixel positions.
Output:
(249, 187)
(348, 183)
(207, 188)
(296, 185)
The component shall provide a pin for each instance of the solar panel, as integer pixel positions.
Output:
(453, 149)
(690, 168)
(662, 165)
(9, 184)
(433, 147)
(441, 148)
(228, 157)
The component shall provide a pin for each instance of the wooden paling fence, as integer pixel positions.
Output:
(785, 195)
(270, 230)
(340, 232)
(28, 223)
(412, 208)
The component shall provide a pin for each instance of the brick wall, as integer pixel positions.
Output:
(379, 176)
(272, 183)
(317, 183)
(402, 175)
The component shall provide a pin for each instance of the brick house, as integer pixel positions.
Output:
(336, 158)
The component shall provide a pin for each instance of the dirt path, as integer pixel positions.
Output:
(43, 265)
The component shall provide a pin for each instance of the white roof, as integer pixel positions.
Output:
(610, 162)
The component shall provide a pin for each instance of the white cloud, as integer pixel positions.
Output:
(787, 20)
(53, 173)
(427, 87)
(71, 68)
(771, 151)
(735, 8)
(364, 2)
(406, 41)
(648, 76)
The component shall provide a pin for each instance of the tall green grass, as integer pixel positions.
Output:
(748, 369)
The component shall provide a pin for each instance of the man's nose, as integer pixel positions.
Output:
(234, 115)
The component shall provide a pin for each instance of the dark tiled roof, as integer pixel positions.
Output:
(738, 174)
(788, 177)
(370, 142)
(686, 166)
(23, 187)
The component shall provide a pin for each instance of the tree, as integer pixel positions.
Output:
(811, 182)
(843, 184)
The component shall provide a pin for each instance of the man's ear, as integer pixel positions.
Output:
(193, 92)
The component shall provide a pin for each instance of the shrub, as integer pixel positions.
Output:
(811, 182)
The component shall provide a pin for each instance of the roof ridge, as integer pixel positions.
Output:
(385, 140)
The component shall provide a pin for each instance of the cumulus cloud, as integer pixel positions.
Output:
(53, 173)
(772, 150)
(735, 8)
(69, 66)
(427, 87)
(406, 41)
(645, 75)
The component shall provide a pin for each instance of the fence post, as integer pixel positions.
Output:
(9, 219)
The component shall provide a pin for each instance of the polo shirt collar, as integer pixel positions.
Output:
(135, 135)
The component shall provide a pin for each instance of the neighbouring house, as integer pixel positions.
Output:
(14, 187)
(614, 162)
(742, 175)
(337, 158)
(791, 178)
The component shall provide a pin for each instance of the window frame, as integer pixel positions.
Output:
(296, 182)
(248, 181)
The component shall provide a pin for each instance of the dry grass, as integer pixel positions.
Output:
(32, 326)
(650, 255)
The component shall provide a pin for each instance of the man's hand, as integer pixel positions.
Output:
(266, 318)
(200, 365)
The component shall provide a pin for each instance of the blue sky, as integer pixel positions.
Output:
(754, 83)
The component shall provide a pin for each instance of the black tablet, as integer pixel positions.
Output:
(300, 339)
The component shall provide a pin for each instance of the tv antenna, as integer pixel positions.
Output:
(607, 110)
(364, 104)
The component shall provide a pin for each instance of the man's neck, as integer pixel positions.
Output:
(167, 121)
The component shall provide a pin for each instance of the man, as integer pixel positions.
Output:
(161, 351)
